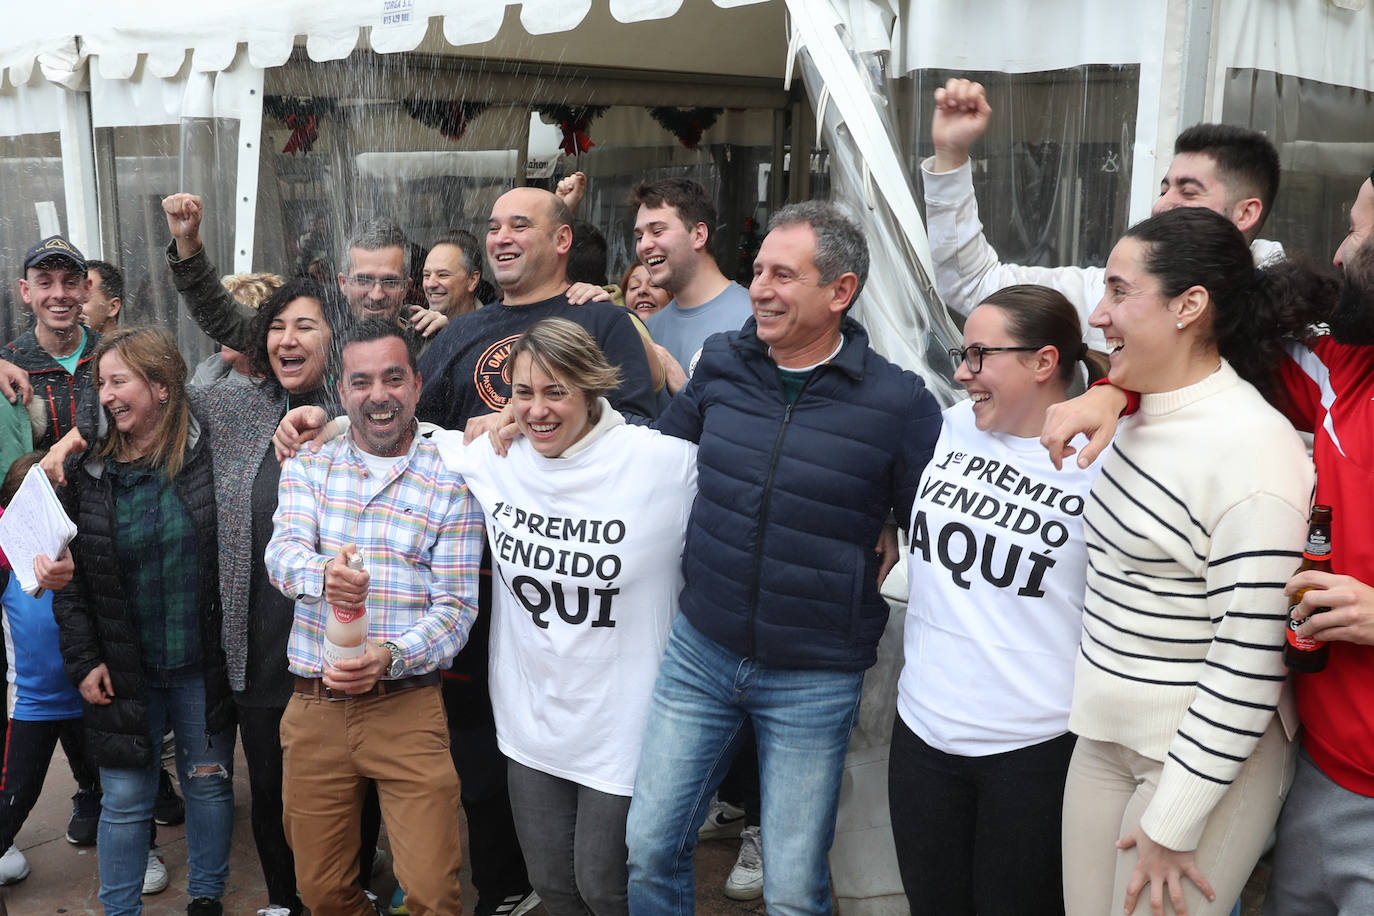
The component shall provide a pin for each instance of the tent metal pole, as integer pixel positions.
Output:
(78, 170)
(249, 107)
(1197, 55)
(106, 192)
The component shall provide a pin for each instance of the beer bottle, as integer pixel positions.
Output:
(1302, 654)
(345, 632)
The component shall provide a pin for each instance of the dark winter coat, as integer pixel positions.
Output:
(779, 560)
(96, 623)
(69, 399)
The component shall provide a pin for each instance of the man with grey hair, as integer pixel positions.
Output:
(376, 270)
(810, 441)
(374, 279)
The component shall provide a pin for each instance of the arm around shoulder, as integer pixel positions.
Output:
(684, 416)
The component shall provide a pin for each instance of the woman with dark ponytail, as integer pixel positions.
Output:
(1254, 309)
(981, 746)
(1194, 524)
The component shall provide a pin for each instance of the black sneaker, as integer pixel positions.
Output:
(85, 819)
(204, 906)
(509, 905)
(168, 809)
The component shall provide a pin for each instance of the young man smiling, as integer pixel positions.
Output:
(56, 351)
(673, 239)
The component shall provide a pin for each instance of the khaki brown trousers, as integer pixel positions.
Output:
(330, 749)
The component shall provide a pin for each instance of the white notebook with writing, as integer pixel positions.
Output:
(34, 523)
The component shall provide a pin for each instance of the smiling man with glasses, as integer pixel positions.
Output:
(375, 275)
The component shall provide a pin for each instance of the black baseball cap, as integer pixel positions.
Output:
(55, 248)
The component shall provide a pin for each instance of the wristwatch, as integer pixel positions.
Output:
(398, 662)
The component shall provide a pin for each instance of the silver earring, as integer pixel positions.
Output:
(1179, 325)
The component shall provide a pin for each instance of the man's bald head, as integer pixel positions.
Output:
(529, 235)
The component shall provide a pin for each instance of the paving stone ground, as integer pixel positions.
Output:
(63, 878)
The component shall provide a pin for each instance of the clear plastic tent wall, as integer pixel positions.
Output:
(159, 93)
(31, 182)
(898, 305)
(91, 157)
(1053, 173)
(1325, 138)
(156, 134)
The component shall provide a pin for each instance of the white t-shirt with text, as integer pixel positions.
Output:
(587, 568)
(997, 572)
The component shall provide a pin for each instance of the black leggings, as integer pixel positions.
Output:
(27, 755)
(978, 834)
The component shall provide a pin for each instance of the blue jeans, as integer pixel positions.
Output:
(205, 769)
(702, 699)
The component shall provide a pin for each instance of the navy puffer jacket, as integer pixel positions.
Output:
(779, 559)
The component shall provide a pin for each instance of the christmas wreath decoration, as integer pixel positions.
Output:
(687, 124)
(302, 115)
(574, 121)
(449, 118)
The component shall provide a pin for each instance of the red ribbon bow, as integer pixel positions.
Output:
(303, 134)
(575, 139)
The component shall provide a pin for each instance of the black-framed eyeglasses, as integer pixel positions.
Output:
(974, 355)
(390, 284)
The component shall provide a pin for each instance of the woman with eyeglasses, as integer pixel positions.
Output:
(981, 744)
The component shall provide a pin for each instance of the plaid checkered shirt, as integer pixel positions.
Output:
(419, 534)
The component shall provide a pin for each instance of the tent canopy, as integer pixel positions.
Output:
(725, 38)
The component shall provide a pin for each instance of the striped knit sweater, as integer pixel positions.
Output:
(1194, 525)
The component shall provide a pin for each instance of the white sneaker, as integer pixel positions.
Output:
(273, 910)
(155, 875)
(13, 866)
(746, 878)
(723, 821)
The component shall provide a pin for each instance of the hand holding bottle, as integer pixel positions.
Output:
(345, 589)
(346, 581)
(1349, 602)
